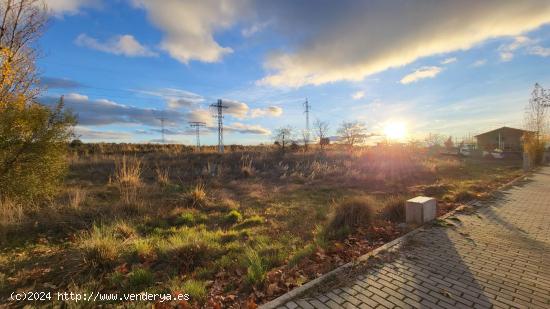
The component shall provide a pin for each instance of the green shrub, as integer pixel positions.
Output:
(233, 216)
(33, 148)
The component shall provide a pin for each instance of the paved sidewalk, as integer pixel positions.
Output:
(497, 257)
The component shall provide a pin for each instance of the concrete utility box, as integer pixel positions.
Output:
(420, 209)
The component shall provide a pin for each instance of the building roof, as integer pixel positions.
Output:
(502, 128)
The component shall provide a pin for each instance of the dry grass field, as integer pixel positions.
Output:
(232, 229)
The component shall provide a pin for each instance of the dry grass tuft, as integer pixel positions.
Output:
(196, 197)
(77, 196)
(100, 247)
(394, 208)
(11, 215)
(128, 171)
(127, 178)
(163, 177)
(246, 166)
(350, 214)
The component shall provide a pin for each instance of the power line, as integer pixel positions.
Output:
(197, 125)
(220, 107)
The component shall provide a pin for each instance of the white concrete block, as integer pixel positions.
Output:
(420, 209)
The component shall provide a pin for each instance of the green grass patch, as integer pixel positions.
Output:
(139, 279)
(250, 222)
(196, 290)
(233, 216)
(255, 271)
(301, 254)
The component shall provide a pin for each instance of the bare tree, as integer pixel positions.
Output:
(536, 122)
(352, 133)
(321, 131)
(283, 136)
(434, 140)
(449, 143)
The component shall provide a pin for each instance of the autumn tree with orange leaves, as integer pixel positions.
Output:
(33, 137)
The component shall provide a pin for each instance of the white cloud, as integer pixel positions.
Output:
(358, 95)
(479, 63)
(348, 40)
(506, 56)
(91, 135)
(92, 112)
(449, 60)
(271, 111)
(175, 98)
(236, 109)
(201, 115)
(253, 29)
(189, 26)
(424, 72)
(530, 46)
(507, 50)
(539, 51)
(247, 129)
(60, 7)
(125, 45)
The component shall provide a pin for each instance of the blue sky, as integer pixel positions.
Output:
(448, 67)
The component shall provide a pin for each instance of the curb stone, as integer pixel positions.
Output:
(291, 295)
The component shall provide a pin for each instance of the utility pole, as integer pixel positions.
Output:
(220, 107)
(307, 106)
(162, 119)
(197, 125)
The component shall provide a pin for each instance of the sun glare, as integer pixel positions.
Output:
(395, 130)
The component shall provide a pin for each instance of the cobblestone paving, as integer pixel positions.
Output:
(497, 257)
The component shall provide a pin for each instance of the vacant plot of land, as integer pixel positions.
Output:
(241, 227)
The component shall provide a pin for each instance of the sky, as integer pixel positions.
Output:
(449, 67)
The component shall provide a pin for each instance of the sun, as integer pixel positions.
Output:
(395, 130)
